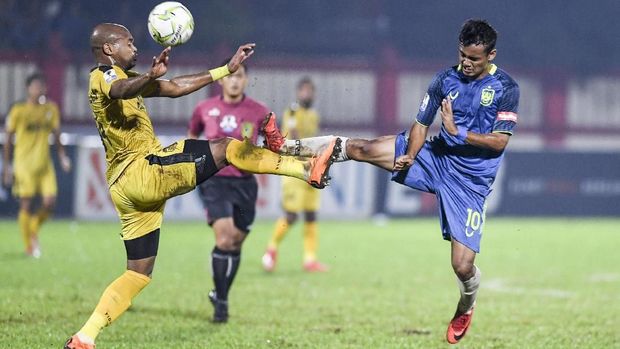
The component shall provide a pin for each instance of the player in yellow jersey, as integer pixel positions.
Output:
(31, 122)
(299, 121)
(142, 174)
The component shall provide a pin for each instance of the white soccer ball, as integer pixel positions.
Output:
(170, 23)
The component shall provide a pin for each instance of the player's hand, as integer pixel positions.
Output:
(447, 118)
(403, 162)
(243, 53)
(65, 163)
(7, 176)
(160, 64)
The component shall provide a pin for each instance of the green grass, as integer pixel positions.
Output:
(550, 283)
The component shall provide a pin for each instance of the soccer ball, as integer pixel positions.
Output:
(170, 23)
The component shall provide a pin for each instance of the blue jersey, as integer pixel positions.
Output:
(481, 106)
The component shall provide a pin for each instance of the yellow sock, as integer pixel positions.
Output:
(311, 241)
(279, 232)
(38, 219)
(23, 219)
(248, 157)
(114, 301)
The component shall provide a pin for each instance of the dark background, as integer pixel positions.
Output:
(580, 36)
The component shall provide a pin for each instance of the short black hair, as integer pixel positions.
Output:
(478, 32)
(224, 62)
(305, 81)
(36, 76)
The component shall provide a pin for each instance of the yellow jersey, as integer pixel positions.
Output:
(124, 125)
(32, 125)
(305, 121)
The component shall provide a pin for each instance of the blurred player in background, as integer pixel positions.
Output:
(32, 173)
(229, 197)
(142, 174)
(479, 105)
(299, 121)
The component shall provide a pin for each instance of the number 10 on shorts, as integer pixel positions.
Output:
(475, 221)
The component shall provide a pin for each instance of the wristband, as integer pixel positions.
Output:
(462, 135)
(219, 73)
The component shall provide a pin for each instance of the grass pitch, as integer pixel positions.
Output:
(547, 283)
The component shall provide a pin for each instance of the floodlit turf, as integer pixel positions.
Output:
(546, 284)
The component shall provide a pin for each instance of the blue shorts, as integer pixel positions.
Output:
(461, 210)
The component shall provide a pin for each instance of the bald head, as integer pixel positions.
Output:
(113, 44)
(107, 33)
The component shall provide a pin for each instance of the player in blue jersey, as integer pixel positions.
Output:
(478, 104)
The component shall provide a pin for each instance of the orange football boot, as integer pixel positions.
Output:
(458, 326)
(273, 136)
(319, 166)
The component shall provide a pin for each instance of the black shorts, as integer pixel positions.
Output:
(235, 197)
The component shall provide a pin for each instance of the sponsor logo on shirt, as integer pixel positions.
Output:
(486, 98)
(229, 123)
(453, 95)
(214, 112)
(109, 76)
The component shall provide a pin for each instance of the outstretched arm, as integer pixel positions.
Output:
(186, 84)
(149, 84)
(493, 141)
(134, 86)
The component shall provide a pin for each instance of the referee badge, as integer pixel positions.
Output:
(486, 98)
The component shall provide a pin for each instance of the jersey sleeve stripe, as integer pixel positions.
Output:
(421, 123)
(503, 131)
(507, 116)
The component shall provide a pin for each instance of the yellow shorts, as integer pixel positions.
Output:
(140, 193)
(30, 183)
(298, 196)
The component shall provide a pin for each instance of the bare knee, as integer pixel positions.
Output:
(227, 236)
(49, 203)
(291, 218)
(25, 204)
(218, 150)
(229, 242)
(464, 269)
(142, 266)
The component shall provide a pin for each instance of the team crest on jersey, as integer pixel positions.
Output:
(214, 112)
(229, 123)
(109, 76)
(425, 102)
(247, 129)
(486, 98)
